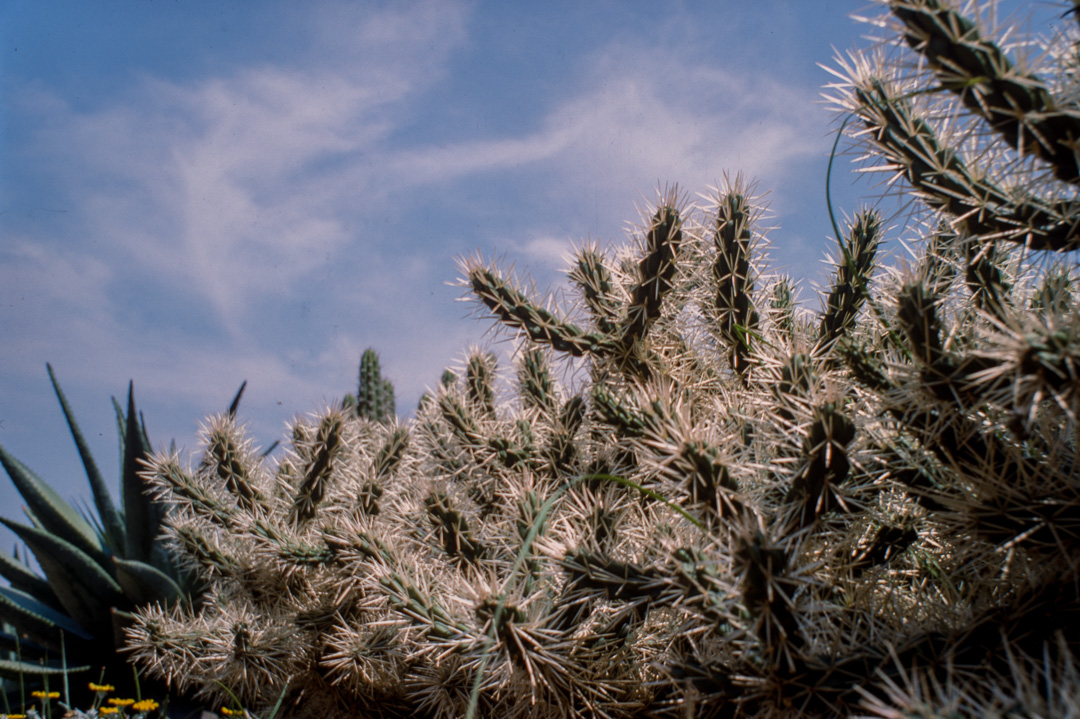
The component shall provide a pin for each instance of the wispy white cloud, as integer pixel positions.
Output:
(240, 195)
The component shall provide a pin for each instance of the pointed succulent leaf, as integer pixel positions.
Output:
(235, 404)
(24, 646)
(22, 578)
(84, 588)
(111, 522)
(144, 583)
(14, 670)
(121, 432)
(35, 618)
(53, 513)
(141, 512)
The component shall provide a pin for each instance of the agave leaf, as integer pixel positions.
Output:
(14, 643)
(144, 583)
(14, 670)
(83, 508)
(22, 578)
(121, 430)
(36, 619)
(53, 513)
(235, 405)
(142, 514)
(110, 517)
(85, 589)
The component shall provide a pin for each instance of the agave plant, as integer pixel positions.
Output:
(97, 569)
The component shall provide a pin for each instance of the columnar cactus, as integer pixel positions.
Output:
(374, 398)
(734, 507)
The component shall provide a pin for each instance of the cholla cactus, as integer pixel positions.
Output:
(735, 507)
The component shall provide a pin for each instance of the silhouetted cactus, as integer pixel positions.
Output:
(738, 507)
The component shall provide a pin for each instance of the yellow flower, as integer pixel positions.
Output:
(146, 705)
(109, 710)
(121, 702)
(232, 712)
(101, 687)
(45, 695)
(12, 716)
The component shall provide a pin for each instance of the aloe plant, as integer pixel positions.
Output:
(96, 569)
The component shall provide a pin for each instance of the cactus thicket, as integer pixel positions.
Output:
(734, 506)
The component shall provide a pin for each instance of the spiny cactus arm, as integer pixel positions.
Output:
(391, 454)
(511, 307)
(52, 512)
(561, 449)
(326, 451)
(389, 402)
(453, 530)
(851, 282)
(423, 610)
(479, 383)
(208, 557)
(172, 481)
(1055, 295)
(687, 469)
(111, 521)
(461, 422)
(363, 544)
(986, 278)
(889, 541)
(701, 478)
(944, 181)
(1017, 105)
(1034, 623)
(938, 266)
(594, 279)
(783, 307)
(1024, 363)
(227, 459)
(162, 641)
(628, 421)
(815, 488)
(656, 273)
(865, 366)
(600, 576)
(1048, 524)
(732, 276)
(85, 589)
(537, 389)
(768, 590)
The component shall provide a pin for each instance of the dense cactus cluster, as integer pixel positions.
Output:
(733, 506)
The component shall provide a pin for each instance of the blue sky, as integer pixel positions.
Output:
(197, 193)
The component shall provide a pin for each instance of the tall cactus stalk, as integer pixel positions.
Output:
(740, 508)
